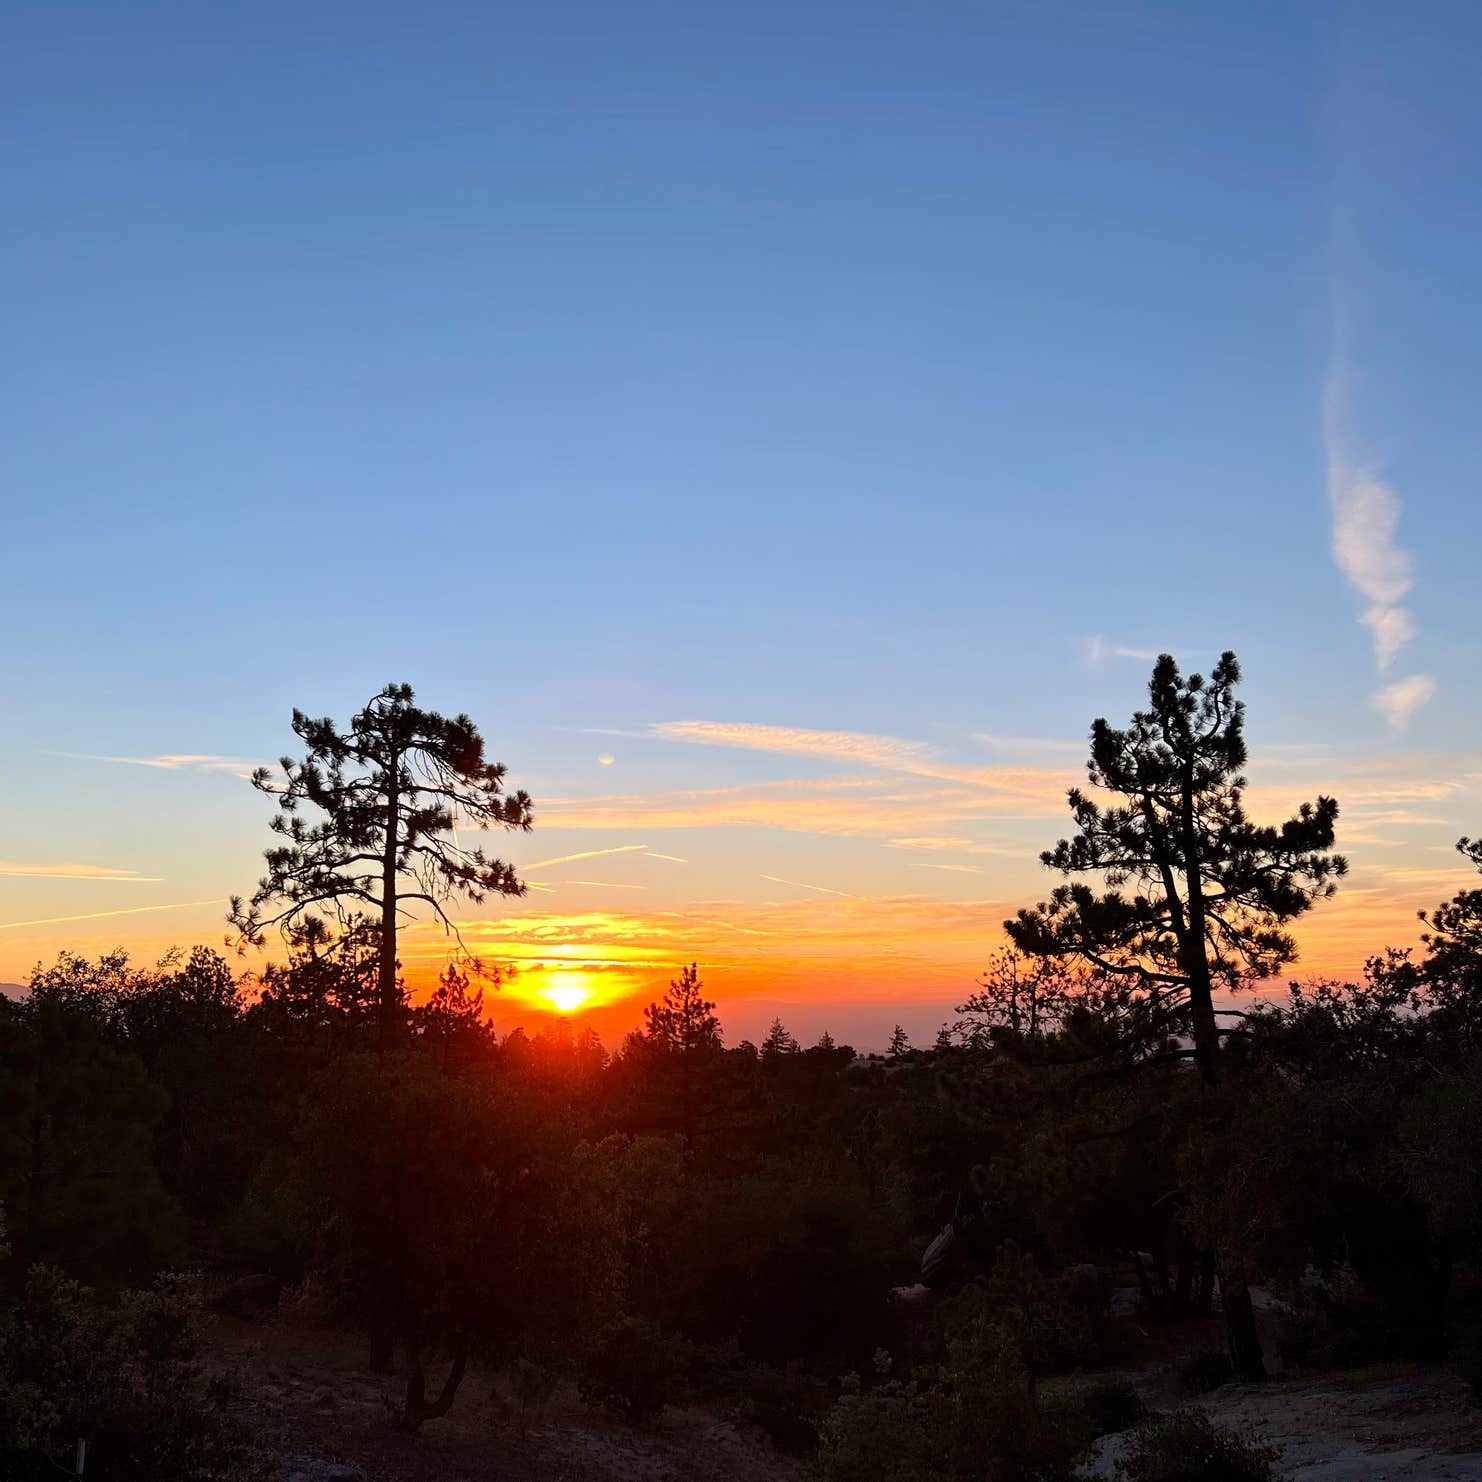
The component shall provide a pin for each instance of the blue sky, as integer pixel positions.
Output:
(851, 369)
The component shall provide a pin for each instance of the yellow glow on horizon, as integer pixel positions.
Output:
(566, 991)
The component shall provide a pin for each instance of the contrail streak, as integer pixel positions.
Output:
(98, 915)
(541, 864)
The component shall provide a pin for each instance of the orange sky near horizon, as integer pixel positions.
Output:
(854, 965)
(842, 902)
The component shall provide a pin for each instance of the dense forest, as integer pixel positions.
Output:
(893, 1266)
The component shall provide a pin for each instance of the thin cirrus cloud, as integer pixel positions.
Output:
(857, 806)
(907, 785)
(953, 843)
(560, 859)
(888, 753)
(858, 748)
(803, 885)
(183, 761)
(99, 915)
(1032, 745)
(950, 844)
(1098, 649)
(22, 870)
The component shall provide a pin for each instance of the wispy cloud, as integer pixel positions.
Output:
(1033, 745)
(1366, 518)
(99, 915)
(1399, 701)
(1365, 521)
(953, 843)
(560, 859)
(887, 806)
(15, 869)
(185, 761)
(606, 885)
(1099, 648)
(957, 869)
(672, 858)
(858, 747)
(803, 885)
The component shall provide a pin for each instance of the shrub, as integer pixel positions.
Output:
(785, 1405)
(885, 1435)
(77, 1123)
(1204, 1372)
(531, 1385)
(125, 1378)
(1110, 1406)
(1346, 1321)
(1020, 1307)
(1188, 1446)
(1467, 1350)
(795, 1264)
(978, 1423)
(635, 1368)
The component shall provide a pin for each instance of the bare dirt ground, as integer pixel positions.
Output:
(318, 1415)
(310, 1404)
(1406, 1422)
(1412, 1423)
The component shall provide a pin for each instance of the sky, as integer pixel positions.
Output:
(783, 428)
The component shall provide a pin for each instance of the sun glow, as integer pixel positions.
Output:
(566, 991)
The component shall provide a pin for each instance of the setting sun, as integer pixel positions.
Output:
(567, 991)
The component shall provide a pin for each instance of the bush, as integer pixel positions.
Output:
(785, 1405)
(635, 1368)
(1188, 1446)
(531, 1386)
(795, 1264)
(1019, 1307)
(1346, 1321)
(978, 1423)
(1203, 1372)
(77, 1124)
(1466, 1348)
(125, 1378)
(885, 1435)
(1110, 1406)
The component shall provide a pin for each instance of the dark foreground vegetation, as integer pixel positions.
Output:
(686, 1223)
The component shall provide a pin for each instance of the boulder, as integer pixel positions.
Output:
(317, 1469)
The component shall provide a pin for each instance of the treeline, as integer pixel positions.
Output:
(686, 1221)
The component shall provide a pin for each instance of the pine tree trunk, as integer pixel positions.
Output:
(1240, 1317)
(1240, 1329)
(418, 1408)
(1205, 1025)
(386, 966)
(382, 1347)
(1205, 1296)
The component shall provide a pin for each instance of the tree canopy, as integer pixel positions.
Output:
(390, 791)
(1191, 893)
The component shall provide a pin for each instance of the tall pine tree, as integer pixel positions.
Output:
(388, 791)
(1186, 894)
